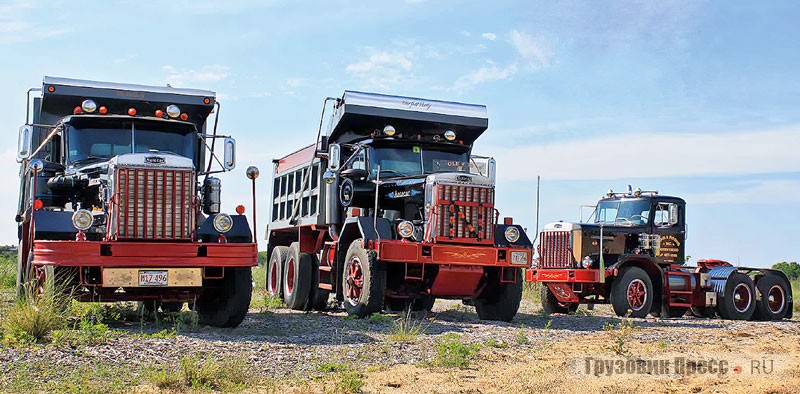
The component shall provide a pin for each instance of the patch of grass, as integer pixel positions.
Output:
(8, 270)
(350, 382)
(183, 321)
(378, 318)
(620, 333)
(259, 277)
(521, 338)
(163, 377)
(406, 328)
(496, 344)
(163, 334)
(451, 351)
(531, 291)
(333, 366)
(227, 374)
(33, 317)
(40, 377)
(796, 294)
(85, 332)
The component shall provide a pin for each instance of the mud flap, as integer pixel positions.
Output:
(563, 292)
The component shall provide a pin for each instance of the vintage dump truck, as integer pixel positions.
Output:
(117, 204)
(631, 253)
(389, 208)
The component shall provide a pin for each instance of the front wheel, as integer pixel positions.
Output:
(500, 301)
(227, 304)
(550, 303)
(364, 281)
(632, 291)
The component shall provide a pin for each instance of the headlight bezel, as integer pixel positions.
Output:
(219, 224)
(512, 234)
(587, 262)
(82, 219)
(405, 229)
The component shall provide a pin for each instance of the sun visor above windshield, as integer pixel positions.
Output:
(358, 114)
(60, 96)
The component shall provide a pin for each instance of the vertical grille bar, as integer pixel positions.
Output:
(148, 207)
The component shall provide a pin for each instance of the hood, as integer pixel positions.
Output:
(151, 159)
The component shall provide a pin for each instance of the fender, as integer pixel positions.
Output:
(352, 229)
(239, 233)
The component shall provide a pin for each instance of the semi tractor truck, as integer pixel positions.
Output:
(390, 209)
(631, 253)
(117, 203)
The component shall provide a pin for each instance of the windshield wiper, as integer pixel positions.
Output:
(393, 171)
(89, 158)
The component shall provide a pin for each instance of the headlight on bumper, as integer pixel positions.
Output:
(223, 223)
(405, 229)
(587, 262)
(82, 219)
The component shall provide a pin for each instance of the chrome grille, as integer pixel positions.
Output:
(154, 204)
(555, 250)
(462, 214)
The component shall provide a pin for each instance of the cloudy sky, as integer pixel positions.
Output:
(696, 99)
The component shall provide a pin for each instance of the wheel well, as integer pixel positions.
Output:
(656, 277)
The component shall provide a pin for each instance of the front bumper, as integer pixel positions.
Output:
(144, 254)
(565, 275)
(444, 254)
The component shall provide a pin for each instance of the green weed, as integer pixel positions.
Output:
(452, 352)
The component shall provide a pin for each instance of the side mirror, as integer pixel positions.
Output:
(229, 155)
(491, 172)
(334, 156)
(356, 174)
(24, 142)
(673, 214)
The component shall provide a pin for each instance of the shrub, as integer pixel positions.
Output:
(33, 317)
(451, 352)
(406, 328)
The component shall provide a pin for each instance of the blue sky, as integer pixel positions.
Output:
(696, 99)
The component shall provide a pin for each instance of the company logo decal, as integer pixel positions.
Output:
(669, 248)
(465, 255)
(403, 193)
(464, 178)
(155, 160)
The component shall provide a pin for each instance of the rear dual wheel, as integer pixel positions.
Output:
(738, 301)
(775, 299)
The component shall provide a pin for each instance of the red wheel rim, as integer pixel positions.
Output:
(289, 276)
(741, 297)
(637, 294)
(776, 299)
(354, 283)
(273, 279)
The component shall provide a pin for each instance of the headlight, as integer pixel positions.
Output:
(450, 135)
(405, 229)
(587, 262)
(173, 111)
(389, 130)
(82, 219)
(223, 223)
(512, 234)
(88, 106)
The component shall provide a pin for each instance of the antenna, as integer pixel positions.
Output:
(538, 179)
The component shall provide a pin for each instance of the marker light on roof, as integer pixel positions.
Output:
(103, 110)
(450, 135)
(132, 111)
(184, 117)
(389, 130)
(159, 113)
(77, 110)
(173, 111)
(88, 106)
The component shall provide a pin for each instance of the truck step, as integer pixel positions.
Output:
(325, 268)
(326, 286)
(678, 304)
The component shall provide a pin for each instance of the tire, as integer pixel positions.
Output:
(317, 298)
(550, 303)
(364, 281)
(227, 305)
(171, 307)
(703, 312)
(677, 311)
(297, 277)
(632, 291)
(499, 301)
(738, 301)
(423, 303)
(775, 299)
(420, 304)
(274, 280)
(395, 304)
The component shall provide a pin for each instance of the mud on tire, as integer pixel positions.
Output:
(226, 304)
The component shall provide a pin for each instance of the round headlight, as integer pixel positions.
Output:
(82, 219)
(512, 234)
(405, 229)
(389, 130)
(88, 106)
(450, 135)
(173, 111)
(223, 223)
(587, 262)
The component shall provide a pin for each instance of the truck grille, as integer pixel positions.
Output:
(154, 204)
(463, 214)
(555, 250)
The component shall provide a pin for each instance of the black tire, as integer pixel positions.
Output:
(499, 301)
(274, 280)
(775, 299)
(677, 311)
(423, 303)
(640, 301)
(550, 303)
(297, 278)
(363, 268)
(317, 298)
(171, 307)
(226, 305)
(738, 301)
(395, 304)
(703, 312)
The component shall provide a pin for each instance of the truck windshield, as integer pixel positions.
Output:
(633, 212)
(415, 161)
(102, 141)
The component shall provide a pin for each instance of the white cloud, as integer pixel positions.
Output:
(489, 36)
(488, 73)
(382, 69)
(648, 155)
(210, 73)
(534, 51)
(17, 24)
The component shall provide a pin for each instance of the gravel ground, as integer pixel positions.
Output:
(280, 343)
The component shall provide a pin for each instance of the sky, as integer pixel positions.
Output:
(696, 99)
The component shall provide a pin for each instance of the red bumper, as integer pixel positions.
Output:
(144, 254)
(426, 253)
(564, 275)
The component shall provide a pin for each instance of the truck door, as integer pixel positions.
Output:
(668, 222)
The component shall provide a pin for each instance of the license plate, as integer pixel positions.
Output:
(153, 278)
(520, 258)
